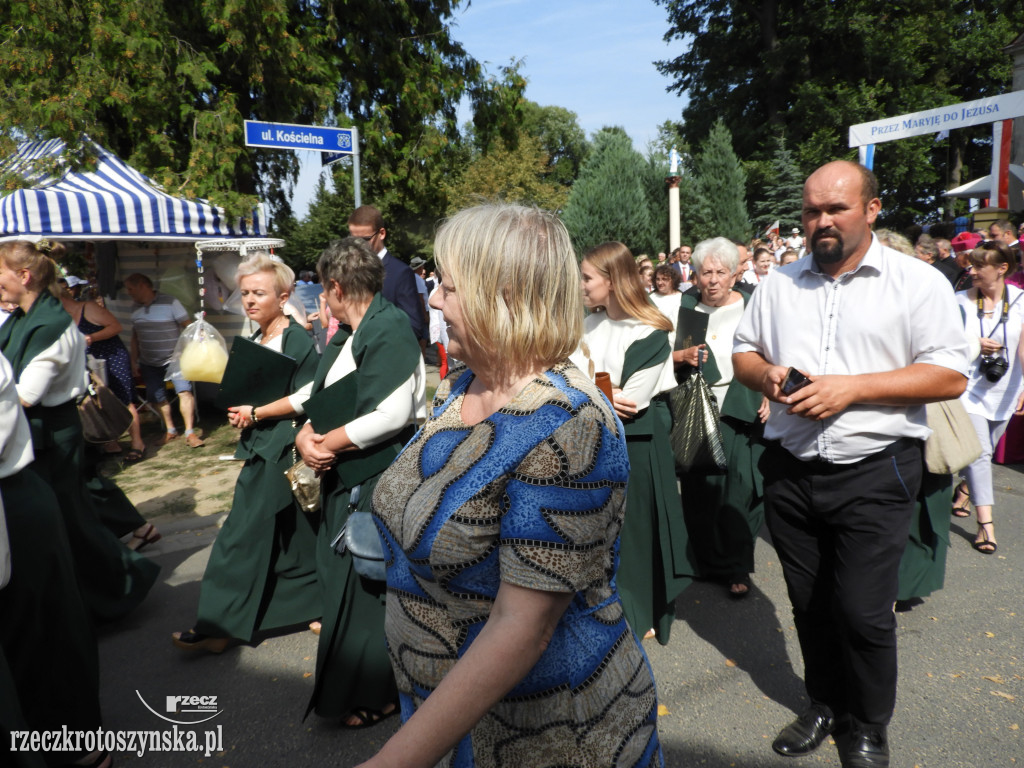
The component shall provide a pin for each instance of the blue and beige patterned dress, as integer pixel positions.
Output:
(533, 496)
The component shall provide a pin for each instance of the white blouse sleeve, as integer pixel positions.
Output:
(407, 404)
(57, 374)
(15, 437)
(643, 385)
(300, 396)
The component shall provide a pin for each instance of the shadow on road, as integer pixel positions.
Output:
(748, 633)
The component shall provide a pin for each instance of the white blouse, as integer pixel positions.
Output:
(15, 435)
(722, 324)
(997, 400)
(607, 341)
(406, 405)
(669, 307)
(57, 374)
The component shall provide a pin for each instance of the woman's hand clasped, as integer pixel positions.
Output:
(310, 446)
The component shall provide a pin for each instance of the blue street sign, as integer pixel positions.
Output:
(330, 158)
(311, 137)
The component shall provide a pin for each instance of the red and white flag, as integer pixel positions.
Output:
(1002, 133)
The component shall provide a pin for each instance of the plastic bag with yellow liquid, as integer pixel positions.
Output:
(201, 353)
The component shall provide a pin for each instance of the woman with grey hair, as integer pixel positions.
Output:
(723, 512)
(372, 368)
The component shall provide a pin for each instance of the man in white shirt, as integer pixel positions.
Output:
(878, 335)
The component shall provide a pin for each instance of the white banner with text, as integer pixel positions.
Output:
(1004, 107)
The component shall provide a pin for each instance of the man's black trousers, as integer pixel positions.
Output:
(840, 531)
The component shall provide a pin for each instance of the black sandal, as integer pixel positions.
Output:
(739, 594)
(368, 717)
(194, 641)
(986, 546)
(133, 455)
(149, 536)
(963, 509)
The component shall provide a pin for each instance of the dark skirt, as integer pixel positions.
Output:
(353, 668)
(45, 632)
(655, 565)
(724, 512)
(923, 566)
(113, 579)
(262, 571)
(113, 508)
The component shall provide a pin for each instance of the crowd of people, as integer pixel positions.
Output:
(529, 528)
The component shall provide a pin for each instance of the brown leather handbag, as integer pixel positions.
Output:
(104, 416)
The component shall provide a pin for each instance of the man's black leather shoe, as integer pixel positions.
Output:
(806, 733)
(867, 749)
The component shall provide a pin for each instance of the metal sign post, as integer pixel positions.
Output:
(333, 143)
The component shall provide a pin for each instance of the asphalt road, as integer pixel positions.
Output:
(728, 681)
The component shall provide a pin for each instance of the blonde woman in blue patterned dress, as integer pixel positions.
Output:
(501, 519)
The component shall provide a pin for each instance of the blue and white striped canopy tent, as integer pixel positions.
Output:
(111, 202)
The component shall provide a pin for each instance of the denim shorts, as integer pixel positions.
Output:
(154, 376)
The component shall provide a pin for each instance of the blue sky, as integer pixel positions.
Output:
(593, 57)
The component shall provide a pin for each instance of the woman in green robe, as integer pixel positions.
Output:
(49, 663)
(627, 337)
(261, 576)
(47, 354)
(368, 395)
(725, 511)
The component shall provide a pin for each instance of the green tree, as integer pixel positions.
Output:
(167, 86)
(326, 220)
(809, 69)
(783, 191)
(518, 150)
(721, 209)
(656, 170)
(518, 175)
(498, 108)
(608, 200)
(561, 137)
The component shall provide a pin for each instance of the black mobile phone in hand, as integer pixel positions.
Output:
(794, 380)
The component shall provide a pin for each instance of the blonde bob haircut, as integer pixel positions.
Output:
(615, 263)
(284, 277)
(37, 259)
(518, 283)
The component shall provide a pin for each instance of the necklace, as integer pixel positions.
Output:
(274, 329)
